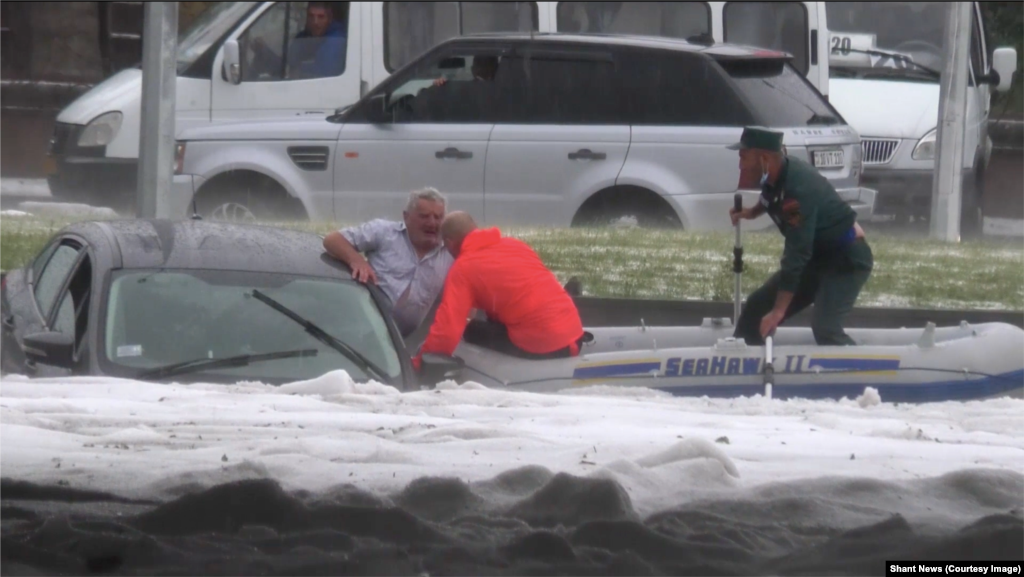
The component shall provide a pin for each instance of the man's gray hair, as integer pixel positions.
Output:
(429, 193)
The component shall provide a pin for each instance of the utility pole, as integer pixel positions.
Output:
(949, 155)
(159, 83)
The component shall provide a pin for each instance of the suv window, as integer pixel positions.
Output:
(568, 85)
(776, 25)
(455, 86)
(412, 28)
(672, 19)
(296, 40)
(53, 275)
(679, 90)
(779, 96)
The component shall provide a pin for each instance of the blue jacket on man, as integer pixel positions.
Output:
(318, 57)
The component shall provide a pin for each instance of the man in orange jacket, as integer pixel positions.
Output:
(529, 313)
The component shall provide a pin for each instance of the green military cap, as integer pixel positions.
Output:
(759, 137)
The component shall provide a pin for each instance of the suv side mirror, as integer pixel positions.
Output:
(377, 109)
(51, 348)
(232, 67)
(1004, 64)
(436, 368)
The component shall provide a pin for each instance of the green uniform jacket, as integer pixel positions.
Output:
(810, 214)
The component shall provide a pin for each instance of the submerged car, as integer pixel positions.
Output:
(194, 300)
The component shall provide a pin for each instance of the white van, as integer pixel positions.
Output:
(884, 63)
(225, 71)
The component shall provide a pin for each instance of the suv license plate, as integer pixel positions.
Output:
(828, 158)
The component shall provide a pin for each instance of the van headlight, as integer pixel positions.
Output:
(925, 149)
(102, 130)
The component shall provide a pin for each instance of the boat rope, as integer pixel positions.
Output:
(648, 376)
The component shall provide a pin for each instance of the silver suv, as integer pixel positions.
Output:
(536, 130)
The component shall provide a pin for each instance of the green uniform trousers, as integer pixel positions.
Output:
(832, 283)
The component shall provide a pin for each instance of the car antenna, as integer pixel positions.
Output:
(195, 212)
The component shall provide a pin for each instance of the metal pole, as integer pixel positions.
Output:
(947, 181)
(737, 263)
(159, 82)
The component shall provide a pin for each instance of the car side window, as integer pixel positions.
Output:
(571, 86)
(53, 275)
(454, 87)
(73, 312)
(775, 25)
(294, 41)
(678, 90)
(412, 28)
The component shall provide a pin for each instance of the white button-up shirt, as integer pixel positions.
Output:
(412, 283)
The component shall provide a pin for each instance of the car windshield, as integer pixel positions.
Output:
(158, 318)
(908, 30)
(207, 28)
(779, 96)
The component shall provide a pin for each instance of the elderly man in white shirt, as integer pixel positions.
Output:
(406, 259)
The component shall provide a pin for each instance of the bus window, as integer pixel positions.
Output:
(774, 25)
(671, 19)
(412, 28)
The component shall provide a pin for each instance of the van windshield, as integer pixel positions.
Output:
(207, 28)
(779, 95)
(907, 30)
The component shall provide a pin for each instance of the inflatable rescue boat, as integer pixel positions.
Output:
(932, 364)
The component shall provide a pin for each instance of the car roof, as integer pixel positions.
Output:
(200, 244)
(717, 50)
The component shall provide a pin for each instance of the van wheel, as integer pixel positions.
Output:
(247, 198)
(627, 207)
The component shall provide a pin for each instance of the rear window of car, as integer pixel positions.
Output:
(778, 95)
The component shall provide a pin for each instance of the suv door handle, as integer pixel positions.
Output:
(453, 153)
(586, 154)
(9, 321)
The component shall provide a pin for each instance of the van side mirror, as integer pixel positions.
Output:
(51, 348)
(1004, 64)
(232, 63)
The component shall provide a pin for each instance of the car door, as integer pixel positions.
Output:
(58, 290)
(561, 135)
(283, 71)
(436, 120)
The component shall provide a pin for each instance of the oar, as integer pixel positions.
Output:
(737, 263)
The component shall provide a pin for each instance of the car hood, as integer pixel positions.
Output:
(286, 128)
(886, 108)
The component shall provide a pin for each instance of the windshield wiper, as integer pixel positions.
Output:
(896, 57)
(200, 364)
(319, 334)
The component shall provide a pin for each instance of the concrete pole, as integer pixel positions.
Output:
(949, 154)
(159, 83)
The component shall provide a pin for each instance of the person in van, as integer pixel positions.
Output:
(405, 259)
(826, 260)
(529, 313)
(318, 51)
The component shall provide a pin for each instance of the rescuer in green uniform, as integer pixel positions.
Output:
(826, 259)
